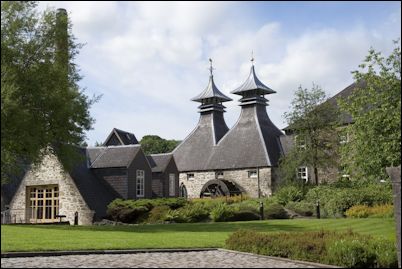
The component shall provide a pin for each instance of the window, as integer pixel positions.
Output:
(300, 142)
(252, 173)
(172, 185)
(219, 174)
(43, 203)
(190, 176)
(140, 183)
(302, 173)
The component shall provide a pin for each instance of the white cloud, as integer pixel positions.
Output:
(149, 59)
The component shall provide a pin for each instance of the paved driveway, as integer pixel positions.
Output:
(193, 259)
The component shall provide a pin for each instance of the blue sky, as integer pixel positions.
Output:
(148, 59)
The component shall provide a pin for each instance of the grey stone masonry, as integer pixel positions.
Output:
(193, 259)
(51, 172)
(239, 176)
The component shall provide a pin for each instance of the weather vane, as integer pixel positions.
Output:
(252, 58)
(210, 67)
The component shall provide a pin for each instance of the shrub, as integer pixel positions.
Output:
(158, 214)
(222, 212)
(190, 213)
(377, 211)
(346, 249)
(243, 216)
(275, 211)
(288, 194)
(135, 210)
(335, 200)
(302, 208)
(351, 253)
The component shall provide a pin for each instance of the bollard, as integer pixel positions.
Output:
(76, 218)
(261, 210)
(318, 209)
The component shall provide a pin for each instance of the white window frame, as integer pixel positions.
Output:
(190, 176)
(172, 185)
(252, 173)
(302, 174)
(140, 183)
(300, 143)
(219, 174)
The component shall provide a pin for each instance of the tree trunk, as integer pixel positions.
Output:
(316, 175)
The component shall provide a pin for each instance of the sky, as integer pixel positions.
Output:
(148, 59)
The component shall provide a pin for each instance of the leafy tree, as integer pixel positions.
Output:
(152, 144)
(376, 111)
(312, 122)
(42, 106)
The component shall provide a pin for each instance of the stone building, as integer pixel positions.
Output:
(44, 192)
(213, 160)
(331, 172)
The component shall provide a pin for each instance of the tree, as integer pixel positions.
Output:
(376, 111)
(152, 144)
(42, 106)
(313, 123)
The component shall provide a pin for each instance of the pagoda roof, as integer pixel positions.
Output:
(211, 91)
(253, 83)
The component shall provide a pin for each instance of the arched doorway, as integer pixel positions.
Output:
(183, 191)
(219, 187)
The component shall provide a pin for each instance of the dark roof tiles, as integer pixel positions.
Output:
(252, 83)
(159, 162)
(112, 156)
(211, 91)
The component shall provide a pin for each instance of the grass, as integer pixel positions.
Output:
(200, 235)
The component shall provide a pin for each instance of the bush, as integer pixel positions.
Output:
(302, 208)
(351, 254)
(377, 211)
(131, 211)
(275, 211)
(158, 214)
(244, 216)
(222, 212)
(288, 194)
(190, 213)
(335, 200)
(346, 249)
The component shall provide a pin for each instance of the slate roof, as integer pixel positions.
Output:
(252, 142)
(194, 151)
(112, 156)
(159, 162)
(96, 193)
(253, 83)
(124, 137)
(211, 91)
(345, 93)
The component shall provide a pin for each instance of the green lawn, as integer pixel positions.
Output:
(56, 237)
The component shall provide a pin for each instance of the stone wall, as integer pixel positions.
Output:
(238, 176)
(50, 171)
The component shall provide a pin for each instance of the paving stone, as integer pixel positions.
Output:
(194, 259)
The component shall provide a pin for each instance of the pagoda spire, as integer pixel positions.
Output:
(211, 98)
(253, 90)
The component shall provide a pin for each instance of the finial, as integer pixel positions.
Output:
(252, 58)
(210, 67)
